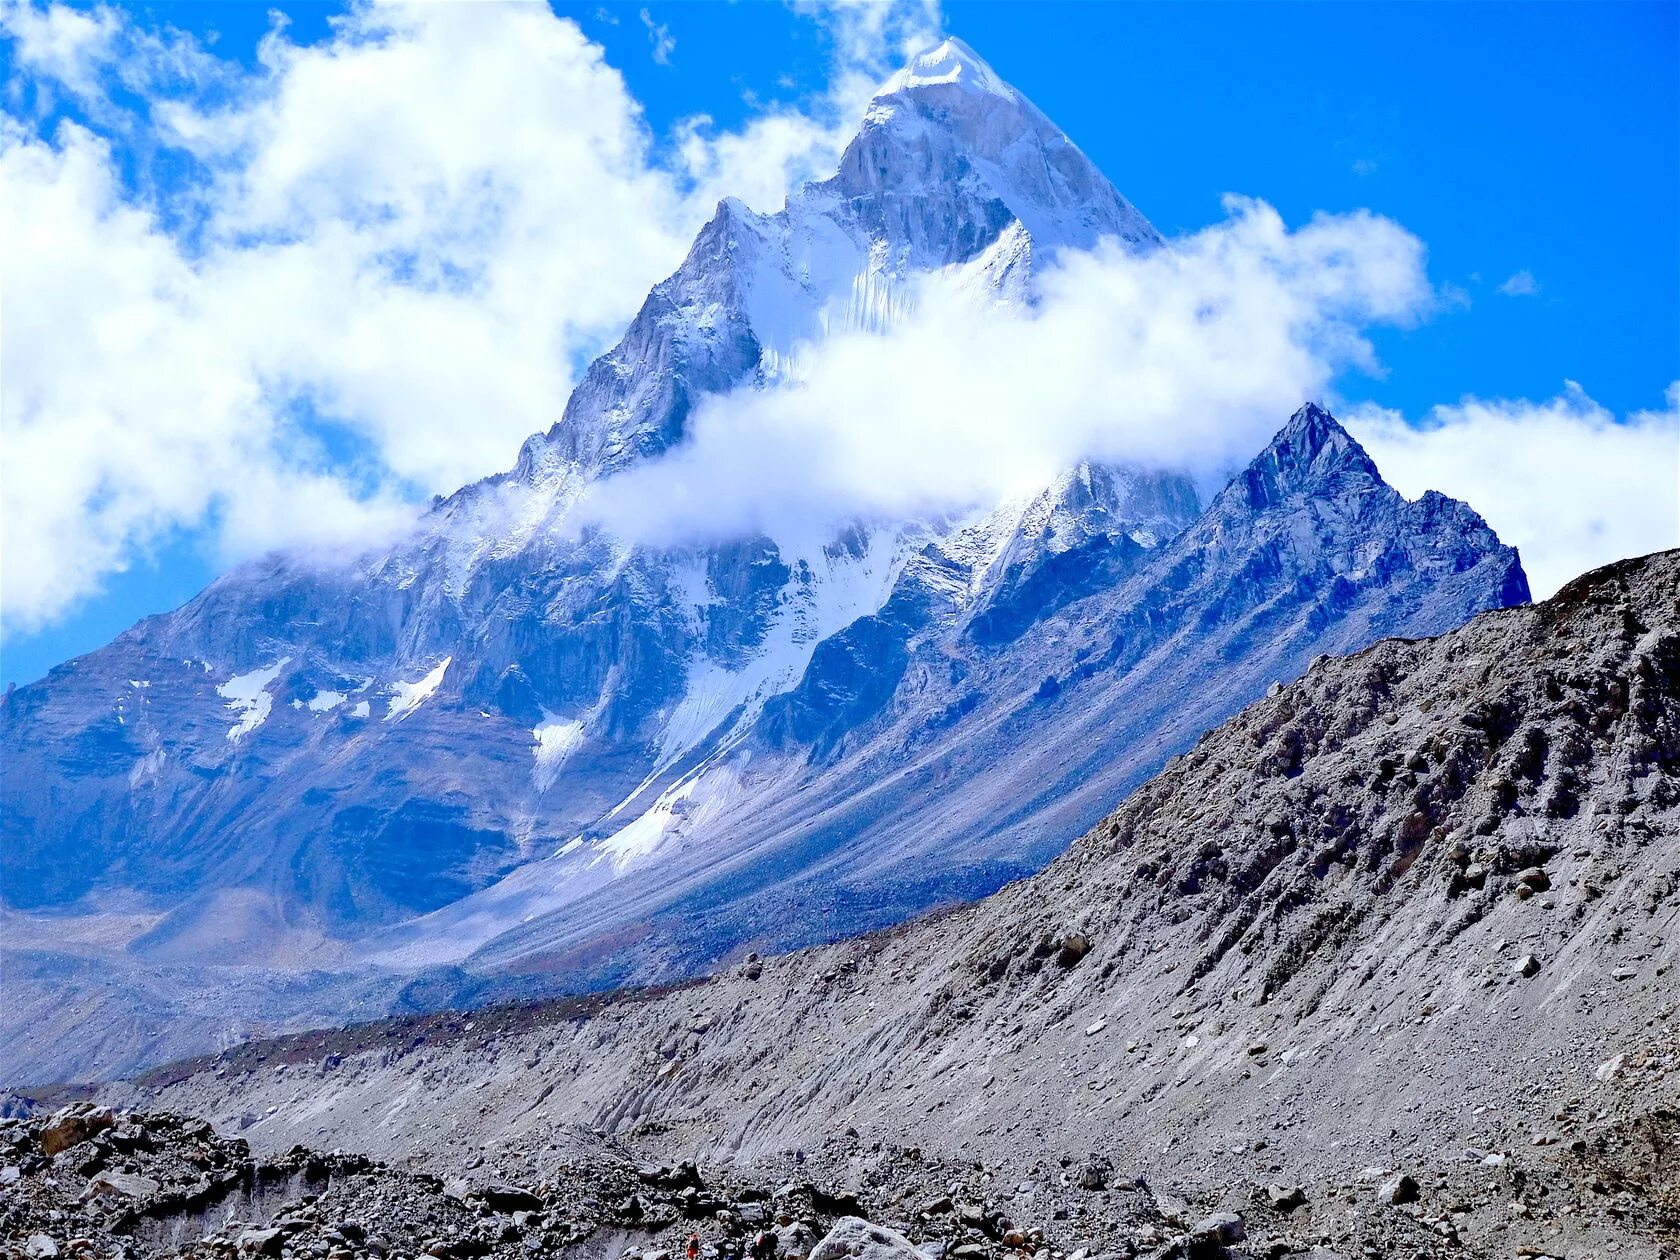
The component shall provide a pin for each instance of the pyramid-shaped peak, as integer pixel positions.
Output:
(950, 63)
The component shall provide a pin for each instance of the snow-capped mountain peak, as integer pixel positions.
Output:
(949, 64)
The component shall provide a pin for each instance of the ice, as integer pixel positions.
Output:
(408, 696)
(247, 695)
(555, 740)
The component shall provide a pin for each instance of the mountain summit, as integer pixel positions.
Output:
(510, 755)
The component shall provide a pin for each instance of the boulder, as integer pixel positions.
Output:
(1224, 1228)
(794, 1242)
(121, 1185)
(1534, 879)
(40, 1247)
(73, 1124)
(510, 1199)
(262, 1242)
(854, 1236)
(1398, 1189)
(1285, 1198)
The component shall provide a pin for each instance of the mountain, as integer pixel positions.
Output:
(516, 753)
(1414, 914)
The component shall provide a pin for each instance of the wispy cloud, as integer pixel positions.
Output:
(659, 36)
(1522, 284)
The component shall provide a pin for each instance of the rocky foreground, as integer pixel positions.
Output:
(88, 1182)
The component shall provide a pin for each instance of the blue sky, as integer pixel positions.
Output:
(1533, 149)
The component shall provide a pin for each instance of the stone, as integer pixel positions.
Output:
(1605, 1071)
(1092, 1029)
(74, 1124)
(1398, 1189)
(794, 1241)
(262, 1242)
(40, 1247)
(1224, 1228)
(1285, 1198)
(1527, 966)
(937, 1207)
(1535, 879)
(121, 1185)
(1094, 1173)
(853, 1236)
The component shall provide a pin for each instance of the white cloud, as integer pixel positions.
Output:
(660, 38)
(1523, 284)
(1565, 481)
(70, 46)
(401, 240)
(1193, 354)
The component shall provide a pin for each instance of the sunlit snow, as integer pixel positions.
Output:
(247, 695)
(555, 740)
(408, 696)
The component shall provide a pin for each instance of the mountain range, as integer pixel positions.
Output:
(516, 753)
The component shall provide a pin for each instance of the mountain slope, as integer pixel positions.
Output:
(1417, 910)
(514, 752)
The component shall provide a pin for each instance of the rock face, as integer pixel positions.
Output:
(1293, 987)
(514, 754)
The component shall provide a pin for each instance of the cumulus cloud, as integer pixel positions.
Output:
(1522, 284)
(401, 241)
(1571, 485)
(1187, 355)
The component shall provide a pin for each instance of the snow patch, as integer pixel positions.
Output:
(408, 696)
(146, 768)
(325, 701)
(361, 710)
(247, 695)
(693, 803)
(830, 589)
(555, 740)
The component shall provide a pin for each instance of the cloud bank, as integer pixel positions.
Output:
(1191, 355)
